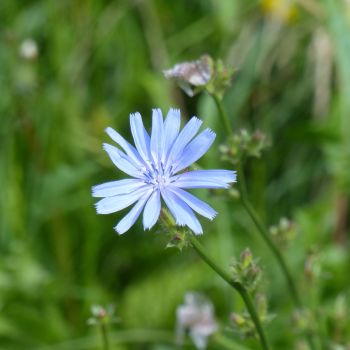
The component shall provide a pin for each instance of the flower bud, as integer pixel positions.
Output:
(237, 319)
(246, 258)
(246, 271)
(284, 231)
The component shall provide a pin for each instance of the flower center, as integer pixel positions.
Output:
(157, 177)
(162, 180)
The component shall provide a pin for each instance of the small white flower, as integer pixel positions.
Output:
(28, 49)
(191, 75)
(197, 317)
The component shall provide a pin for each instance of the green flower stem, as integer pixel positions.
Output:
(257, 221)
(254, 216)
(266, 237)
(223, 115)
(236, 285)
(105, 340)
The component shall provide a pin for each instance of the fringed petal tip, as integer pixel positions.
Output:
(234, 176)
(210, 132)
(96, 206)
(118, 231)
(174, 110)
(93, 191)
(230, 180)
(197, 232)
(211, 218)
(228, 176)
(157, 110)
(106, 146)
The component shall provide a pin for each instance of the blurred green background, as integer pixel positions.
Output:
(70, 68)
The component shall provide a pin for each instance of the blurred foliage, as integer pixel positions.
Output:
(70, 68)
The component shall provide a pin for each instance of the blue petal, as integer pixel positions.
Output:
(204, 179)
(182, 213)
(185, 136)
(141, 138)
(171, 130)
(129, 149)
(152, 210)
(114, 188)
(112, 204)
(130, 218)
(121, 160)
(195, 149)
(195, 203)
(157, 137)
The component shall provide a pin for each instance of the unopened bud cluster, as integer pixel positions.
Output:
(177, 234)
(338, 321)
(303, 321)
(242, 323)
(243, 145)
(178, 238)
(246, 271)
(284, 232)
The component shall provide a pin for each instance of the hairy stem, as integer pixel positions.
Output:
(266, 237)
(236, 285)
(256, 219)
(223, 115)
(258, 223)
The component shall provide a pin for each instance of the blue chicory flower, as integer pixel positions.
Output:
(154, 167)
